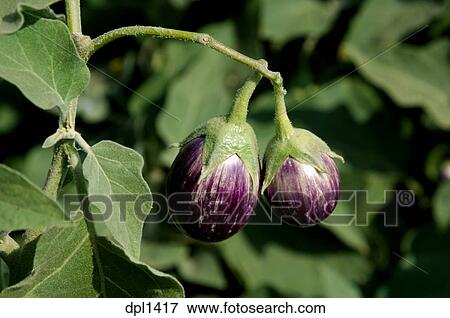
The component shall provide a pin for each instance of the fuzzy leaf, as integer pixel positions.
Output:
(65, 265)
(441, 206)
(112, 169)
(283, 20)
(23, 205)
(11, 15)
(412, 76)
(62, 266)
(122, 276)
(42, 61)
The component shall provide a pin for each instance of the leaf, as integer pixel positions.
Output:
(23, 205)
(370, 198)
(283, 20)
(384, 22)
(200, 92)
(176, 56)
(243, 260)
(203, 268)
(163, 255)
(424, 264)
(9, 118)
(124, 277)
(360, 99)
(412, 76)
(62, 266)
(93, 105)
(11, 15)
(350, 235)
(303, 275)
(295, 273)
(34, 164)
(65, 265)
(4, 275)
(42, 61)
(441, 206)
(112, 169)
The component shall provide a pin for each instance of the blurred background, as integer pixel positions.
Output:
(372, 78)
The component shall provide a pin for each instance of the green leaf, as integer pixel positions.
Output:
(163, 255)
(4, 275)
(122, 276)
(23, 205)
(65, 265)
(441, 206)
(360, 99)
(424, 264)
(11, 15)
(304, 275)
(34, 164)
(412, 76)
(350, 235)
(200, 93)
(175, 55)
(9, 118)
(283, 20)
(93, 105)
(42, 61)
(384, 22)
(242, 259)
(112, 169)
(62, 266)
(375, 184)
(294, 273)
(203, 268)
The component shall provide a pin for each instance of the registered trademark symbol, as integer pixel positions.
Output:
(405, 198)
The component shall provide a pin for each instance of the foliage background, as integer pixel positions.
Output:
(372, 78)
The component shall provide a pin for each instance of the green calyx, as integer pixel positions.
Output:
(231, 135)
(301, 145)
(224, 139)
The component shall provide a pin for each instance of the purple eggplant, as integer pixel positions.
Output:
(302, 195)
(301, 179)
(213, 207)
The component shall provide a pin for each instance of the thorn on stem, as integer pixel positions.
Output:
(205, 39)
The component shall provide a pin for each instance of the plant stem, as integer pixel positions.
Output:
(200, 38)
(239, 110)
(59, 161)
(73, 13)
(56, 172)
(8, 248)
(283, 125)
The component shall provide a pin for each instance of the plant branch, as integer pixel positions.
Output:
(58, 166)
(73, 13)
(200, 38)
(56, 172)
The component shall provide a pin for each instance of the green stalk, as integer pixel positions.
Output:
(56, 172)
(283, 126)
(58, 166)
(239, 109)
(73, 13)
(200, 38)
